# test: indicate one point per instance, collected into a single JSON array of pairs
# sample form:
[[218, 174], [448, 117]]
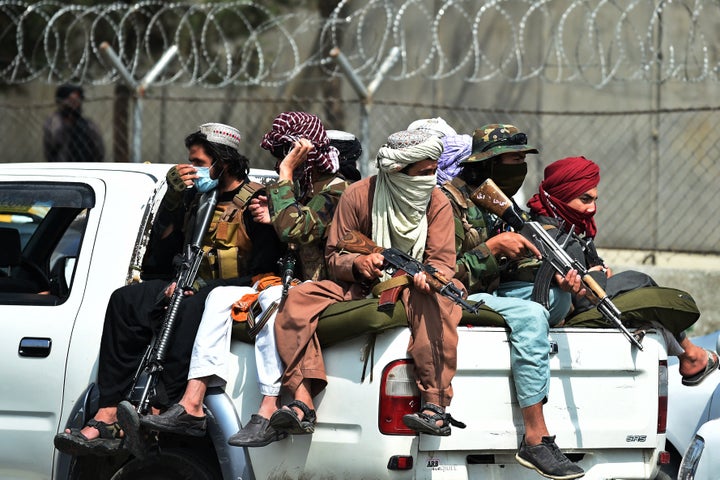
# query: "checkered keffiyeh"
[[289, 127]]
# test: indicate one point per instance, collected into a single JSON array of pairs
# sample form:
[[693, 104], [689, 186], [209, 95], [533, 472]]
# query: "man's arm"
[[349, 215], [53, 133], [298, 223], [439, 246]]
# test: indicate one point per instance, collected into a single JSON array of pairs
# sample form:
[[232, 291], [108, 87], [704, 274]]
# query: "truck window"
[[41, 229]]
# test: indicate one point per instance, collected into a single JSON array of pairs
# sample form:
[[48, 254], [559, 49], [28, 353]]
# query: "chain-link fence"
[[659, 169], [631, 85]]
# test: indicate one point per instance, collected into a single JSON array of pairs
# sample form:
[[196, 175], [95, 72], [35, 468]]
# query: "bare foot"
[[693, 361]]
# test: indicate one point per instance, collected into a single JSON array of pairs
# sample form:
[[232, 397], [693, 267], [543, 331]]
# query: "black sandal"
[[77, 444], [287, 421], [421, 422]]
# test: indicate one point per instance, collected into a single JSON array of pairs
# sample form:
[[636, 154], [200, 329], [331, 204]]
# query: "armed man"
[[299, 206], [498, 267], [400, 207], [236, 248]]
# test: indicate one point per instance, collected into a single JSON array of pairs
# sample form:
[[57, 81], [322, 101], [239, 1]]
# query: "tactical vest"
[[471, 231], [226, 243], [466, 234]]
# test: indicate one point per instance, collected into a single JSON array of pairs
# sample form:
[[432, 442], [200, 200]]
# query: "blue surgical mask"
[[204, 183]]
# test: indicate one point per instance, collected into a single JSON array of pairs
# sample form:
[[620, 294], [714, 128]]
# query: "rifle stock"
[[490, 197], [398, 261]]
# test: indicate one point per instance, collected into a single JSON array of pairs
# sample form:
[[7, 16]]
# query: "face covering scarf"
[[400, 203]]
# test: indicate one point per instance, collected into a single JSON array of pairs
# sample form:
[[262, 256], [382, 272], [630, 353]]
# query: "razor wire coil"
[[245, 43]]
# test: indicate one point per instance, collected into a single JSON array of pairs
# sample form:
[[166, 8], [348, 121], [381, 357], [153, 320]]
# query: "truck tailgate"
[[602, 391]]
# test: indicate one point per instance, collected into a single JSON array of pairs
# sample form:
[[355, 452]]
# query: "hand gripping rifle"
[[146, 378], [400, 262], [491, 198]]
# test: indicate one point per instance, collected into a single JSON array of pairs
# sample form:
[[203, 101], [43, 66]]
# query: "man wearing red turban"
[[568, 193]]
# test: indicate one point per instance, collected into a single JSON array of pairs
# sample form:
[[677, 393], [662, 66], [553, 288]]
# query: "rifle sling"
[[389, 290], [259, 322]]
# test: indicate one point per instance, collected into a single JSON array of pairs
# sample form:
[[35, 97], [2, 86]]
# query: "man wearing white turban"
[[400, 207]]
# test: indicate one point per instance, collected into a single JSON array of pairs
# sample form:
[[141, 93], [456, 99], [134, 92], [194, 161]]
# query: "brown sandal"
[[422, 422], [77, 444]]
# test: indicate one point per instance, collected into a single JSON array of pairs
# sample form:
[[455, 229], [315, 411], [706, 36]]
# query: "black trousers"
[[131, 318]]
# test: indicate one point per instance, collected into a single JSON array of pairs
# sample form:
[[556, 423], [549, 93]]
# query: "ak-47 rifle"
[[400, 262], [148, 373], [490, 197]]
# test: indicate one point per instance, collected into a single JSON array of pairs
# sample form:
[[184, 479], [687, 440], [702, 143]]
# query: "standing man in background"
[[67, 135]]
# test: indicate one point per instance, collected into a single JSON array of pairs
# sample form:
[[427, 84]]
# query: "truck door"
[[45, 232]]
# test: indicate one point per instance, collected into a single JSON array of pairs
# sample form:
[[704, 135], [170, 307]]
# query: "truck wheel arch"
[[170, 464]]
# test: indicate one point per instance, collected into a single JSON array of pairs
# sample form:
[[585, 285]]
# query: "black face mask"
[[509, 178], [475, 173]]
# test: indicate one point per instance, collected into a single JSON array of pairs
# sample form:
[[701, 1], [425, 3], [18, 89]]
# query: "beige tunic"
[[433, 319]]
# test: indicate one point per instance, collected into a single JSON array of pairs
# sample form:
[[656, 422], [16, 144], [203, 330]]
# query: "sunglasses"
[[516, 139]]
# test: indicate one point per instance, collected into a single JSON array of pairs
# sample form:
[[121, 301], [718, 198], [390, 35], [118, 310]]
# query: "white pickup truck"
[[79, 226]]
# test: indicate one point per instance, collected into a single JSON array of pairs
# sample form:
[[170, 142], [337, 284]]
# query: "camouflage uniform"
[[476, 267], [306, 224], [503, 285]]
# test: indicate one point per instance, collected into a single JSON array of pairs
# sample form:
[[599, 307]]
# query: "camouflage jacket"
[[476, 267], [304, 222]]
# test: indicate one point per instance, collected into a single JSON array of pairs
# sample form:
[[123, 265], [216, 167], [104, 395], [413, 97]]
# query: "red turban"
[[566, 180]]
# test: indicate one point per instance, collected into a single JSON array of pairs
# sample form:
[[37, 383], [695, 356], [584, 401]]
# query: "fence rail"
[[626, 83]]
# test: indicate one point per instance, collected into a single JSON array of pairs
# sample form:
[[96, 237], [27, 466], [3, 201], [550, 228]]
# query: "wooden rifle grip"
[[594, 286], [356, 242]]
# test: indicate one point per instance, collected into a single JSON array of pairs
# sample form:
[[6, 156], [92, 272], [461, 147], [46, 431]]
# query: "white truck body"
[[606, 400]]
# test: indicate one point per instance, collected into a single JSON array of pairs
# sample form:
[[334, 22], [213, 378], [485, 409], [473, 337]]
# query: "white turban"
[[437, 126]]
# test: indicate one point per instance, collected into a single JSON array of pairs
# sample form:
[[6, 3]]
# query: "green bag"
[[675, 309], [346, 320]]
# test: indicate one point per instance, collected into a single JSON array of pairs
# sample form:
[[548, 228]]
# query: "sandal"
[[77, 444], [287, 421], [129, 421], [421, 422], [712, 365]]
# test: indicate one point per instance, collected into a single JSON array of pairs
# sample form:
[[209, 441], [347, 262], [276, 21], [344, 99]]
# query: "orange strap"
[[239, 310]]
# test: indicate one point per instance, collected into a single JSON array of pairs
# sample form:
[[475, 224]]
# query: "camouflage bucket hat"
[[492, 140]]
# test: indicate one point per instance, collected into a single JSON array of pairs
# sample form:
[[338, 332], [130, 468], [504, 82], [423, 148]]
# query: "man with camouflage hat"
[[400, 207], [236, 249], [498, 267]]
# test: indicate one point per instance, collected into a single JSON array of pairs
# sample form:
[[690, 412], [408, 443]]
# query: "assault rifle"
[[146, 377], [491, 198], [398, 262], [287, 266]]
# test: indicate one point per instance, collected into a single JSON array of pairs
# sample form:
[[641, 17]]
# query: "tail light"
[[398, 396], [662, 396]]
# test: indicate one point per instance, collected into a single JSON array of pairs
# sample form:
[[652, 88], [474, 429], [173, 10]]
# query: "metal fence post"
[[139, 89], [365, 94]]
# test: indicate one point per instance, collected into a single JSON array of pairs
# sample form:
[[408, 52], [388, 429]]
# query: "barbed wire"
[[245, 43]]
